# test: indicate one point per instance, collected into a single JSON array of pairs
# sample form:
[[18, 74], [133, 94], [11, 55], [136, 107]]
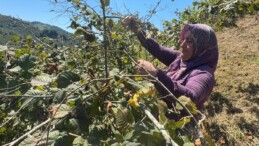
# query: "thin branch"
[[169, 140], [15, 113], [28, 96], [27, 134], [13, 86], [105, 39], [153, 11]]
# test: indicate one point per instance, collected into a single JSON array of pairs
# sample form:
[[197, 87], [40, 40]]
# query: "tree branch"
[[160, 127], [27, 134]]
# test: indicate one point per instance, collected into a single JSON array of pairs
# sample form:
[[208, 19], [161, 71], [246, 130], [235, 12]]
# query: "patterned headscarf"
[[205, 50], [205, 41]]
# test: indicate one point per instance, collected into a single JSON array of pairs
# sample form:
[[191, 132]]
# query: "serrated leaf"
[[26, 102], [162, 109], [79, 141], [177, 124], [74, 124], [41, 80], [67, 77], [152, 138], [35, 92], [54, 138], [63, 111], [59, 96], [27, 61], [188, 103], [124, 120]]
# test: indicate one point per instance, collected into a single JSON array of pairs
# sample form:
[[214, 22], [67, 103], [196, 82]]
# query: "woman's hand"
[[144, 67], [130, 23]]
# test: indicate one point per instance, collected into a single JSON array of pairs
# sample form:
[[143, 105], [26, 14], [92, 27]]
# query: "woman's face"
[[187, 46]]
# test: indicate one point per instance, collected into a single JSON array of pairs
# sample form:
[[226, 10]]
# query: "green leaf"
[[63, 111], [67, 77], [76, 1], [188, 144], [177, 124], [41, 80], [3, 82], [152, 138], [15, 38], [59, 96], [54, 138], [35, 92], [124, 120], [79, 141], [114, 72], [27, 61], [188, 103], [162, 109], [132, 85], [106, 2], [74, 124]]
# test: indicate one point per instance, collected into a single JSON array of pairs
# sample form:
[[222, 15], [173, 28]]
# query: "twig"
[[15, 114], [27, 134], [13, 86], [153, 11], [202, 119], [160, 127], [28, 96]]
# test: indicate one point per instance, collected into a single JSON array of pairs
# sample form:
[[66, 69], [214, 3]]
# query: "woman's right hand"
[[130, 23]]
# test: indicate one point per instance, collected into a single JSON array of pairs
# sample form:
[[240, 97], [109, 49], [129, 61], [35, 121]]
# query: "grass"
[[232, 112]]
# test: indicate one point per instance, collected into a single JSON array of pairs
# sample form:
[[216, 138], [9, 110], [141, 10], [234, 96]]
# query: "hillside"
[[232, 112], [10, 26]]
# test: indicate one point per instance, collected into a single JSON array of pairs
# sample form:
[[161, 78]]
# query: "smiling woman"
[[187, 46], [191, 71]]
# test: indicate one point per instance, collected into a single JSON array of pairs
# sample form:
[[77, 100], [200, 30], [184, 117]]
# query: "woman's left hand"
[[144, 67]]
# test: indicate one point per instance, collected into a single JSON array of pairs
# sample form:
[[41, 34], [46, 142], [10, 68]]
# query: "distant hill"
[[10, 26]]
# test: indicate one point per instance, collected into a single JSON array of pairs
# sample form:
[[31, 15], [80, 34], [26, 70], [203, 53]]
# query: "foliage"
[[216, 13], [89, 91], [10, 27]]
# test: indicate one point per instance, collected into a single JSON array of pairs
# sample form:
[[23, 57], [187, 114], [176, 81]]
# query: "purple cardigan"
[[196, 82]]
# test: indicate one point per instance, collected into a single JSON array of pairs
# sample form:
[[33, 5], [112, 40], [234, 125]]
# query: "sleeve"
[[198, 86], [163, 54]]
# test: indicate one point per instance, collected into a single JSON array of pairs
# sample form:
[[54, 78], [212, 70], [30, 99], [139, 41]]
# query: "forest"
[[90, 93]]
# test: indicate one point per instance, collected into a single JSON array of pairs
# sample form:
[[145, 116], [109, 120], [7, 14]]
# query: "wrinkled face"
[[187, 46]]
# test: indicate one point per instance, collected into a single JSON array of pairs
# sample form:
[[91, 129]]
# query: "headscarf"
[[205, 50]]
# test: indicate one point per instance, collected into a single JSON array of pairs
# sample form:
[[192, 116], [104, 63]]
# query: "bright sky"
[[40, 10]]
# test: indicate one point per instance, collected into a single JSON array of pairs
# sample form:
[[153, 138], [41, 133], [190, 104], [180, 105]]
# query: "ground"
[[232, 111]]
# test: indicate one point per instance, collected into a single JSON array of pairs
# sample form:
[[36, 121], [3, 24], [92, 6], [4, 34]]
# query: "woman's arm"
[[163, 54], [198, 87]]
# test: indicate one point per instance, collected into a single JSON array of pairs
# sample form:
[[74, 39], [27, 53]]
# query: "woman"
[[191, 71]]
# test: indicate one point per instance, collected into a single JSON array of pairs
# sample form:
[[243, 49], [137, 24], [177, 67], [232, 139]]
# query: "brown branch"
[[105, 39], [27, 134], [169, 140]]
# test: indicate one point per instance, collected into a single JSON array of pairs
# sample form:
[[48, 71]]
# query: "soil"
[[233, 111]]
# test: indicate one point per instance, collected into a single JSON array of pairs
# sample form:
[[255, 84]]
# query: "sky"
[[41, 10]]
